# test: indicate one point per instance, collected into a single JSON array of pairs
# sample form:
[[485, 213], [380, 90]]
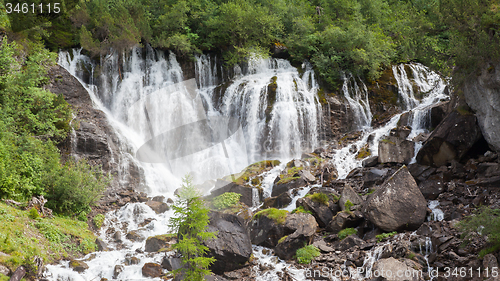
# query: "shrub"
[[190, 222], [99, 220], [346, 232], [33, 214], [226, 200], [76, 187], [279, 216], [485, 222], [306, 254]]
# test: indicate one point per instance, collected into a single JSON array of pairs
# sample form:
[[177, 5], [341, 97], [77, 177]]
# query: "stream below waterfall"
[[146, 98]]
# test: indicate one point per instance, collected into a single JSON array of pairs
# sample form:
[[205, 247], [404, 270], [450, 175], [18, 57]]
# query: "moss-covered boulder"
[[159, 243]]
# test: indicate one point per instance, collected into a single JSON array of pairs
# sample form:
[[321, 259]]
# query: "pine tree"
[[190, 222]]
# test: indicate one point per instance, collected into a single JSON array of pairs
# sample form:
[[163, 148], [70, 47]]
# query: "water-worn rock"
[[78, 266], [158, 207], [391, 269], [152, 270], [281, 186], [452, 139], [101, 245], [232, 246], [482, 93], [118, 269], [134, 236], [158, 242], [370, 161], [279, 201], [397, 204]]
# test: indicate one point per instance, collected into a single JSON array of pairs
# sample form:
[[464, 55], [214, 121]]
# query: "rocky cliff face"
[[482, 94], [93, 139]]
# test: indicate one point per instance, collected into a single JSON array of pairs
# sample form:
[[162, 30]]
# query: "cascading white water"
[[417, 93], [356, 94]]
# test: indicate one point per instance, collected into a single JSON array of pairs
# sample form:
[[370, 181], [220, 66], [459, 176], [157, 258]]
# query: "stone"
[[152, 270], [133, 235], [432, 187], [18, 274], [101, 245], [132, 260], [280, 188], [321, 212], [117, 270], [158, 242], [307, 176], [348, 242], [158, 207], [159, 198], [287, 248], [398, 204], [4, 270], [265, 231], [302, 223], [232, 246], [394, 149], [483, 96], [117, 236], [370, 161], [391, 267], [451, 140], [171, 264], [490, 261], [321, 244], [348, 194], [344, 220], [279, 201], [78, 266], [222, 186]]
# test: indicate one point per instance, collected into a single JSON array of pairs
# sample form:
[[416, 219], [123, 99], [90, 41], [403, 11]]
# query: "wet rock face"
[[398, 204], [395, 148], [483, 96], [94, 139], [265, 232], [152, 270], [451, 140], [232, 247]]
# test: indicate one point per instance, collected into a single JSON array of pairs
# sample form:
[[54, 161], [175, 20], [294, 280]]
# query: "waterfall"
[[356, 95]]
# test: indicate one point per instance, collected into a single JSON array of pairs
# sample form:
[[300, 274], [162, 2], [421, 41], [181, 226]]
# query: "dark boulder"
[[172, 264], [78, 266], [397, 204], [222, 186], [283, 185], [265, 231], [394, 149], [348, 242], [279, 201], [323, 213], [158, 207], [158, 242], [452, 139], [349, 195], [344, 220], [232, 247], [302, 228]]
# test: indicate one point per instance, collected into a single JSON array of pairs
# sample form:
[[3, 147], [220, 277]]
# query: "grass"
[[306, 254], [346, 232], [22, 238], [383, 236], [278, 216], [226, 200], [319, 197], [300, 210]]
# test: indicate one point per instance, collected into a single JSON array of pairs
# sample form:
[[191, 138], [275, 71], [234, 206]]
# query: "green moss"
[[387, 141], [364, 152], [411, 255], [383, 236], [300, 210], [98, 220], [282, 239], [335, 197], [250, 174], [33, 214], [278, 216], [464, 110], [291, 172], [287, 180], [306, 254], [348, 204], [226, 200], [320, 198], [346, 232]]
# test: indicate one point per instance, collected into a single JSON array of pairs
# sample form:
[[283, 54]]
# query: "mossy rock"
[[159, 243], [248, 177], [278, 216]]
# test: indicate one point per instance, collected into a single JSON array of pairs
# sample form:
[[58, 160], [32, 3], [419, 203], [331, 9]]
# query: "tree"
[[190, 222]]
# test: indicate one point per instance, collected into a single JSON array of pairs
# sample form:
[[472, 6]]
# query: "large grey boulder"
[[348, 194], [394, 149], [323, 213], [302, 228], [391, 269], [398, 204], [451, 140], [232, 246], [265, 231], [482, 94]]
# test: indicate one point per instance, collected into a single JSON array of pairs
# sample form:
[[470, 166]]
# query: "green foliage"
[[348, 204], [75, 187], [279, 216], [226, 200], [485, 222], [346, 232], [301, 209], [33, 214], [306, 254], [189, 222], [99, 220], [383, 236]]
